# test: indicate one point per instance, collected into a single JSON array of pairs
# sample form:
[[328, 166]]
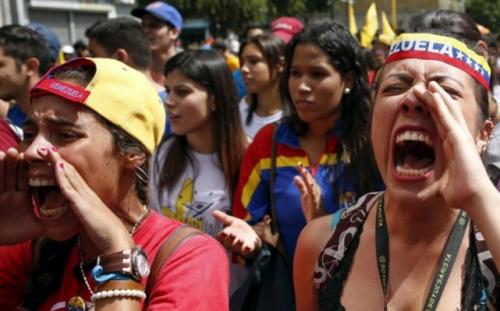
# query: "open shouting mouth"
[[414, 154], [48, 198]]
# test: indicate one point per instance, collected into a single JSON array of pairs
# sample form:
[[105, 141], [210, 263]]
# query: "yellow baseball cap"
[[117, 92]]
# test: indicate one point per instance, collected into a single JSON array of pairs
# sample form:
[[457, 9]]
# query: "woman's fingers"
[[11, 164], [61, 173], [301, 185], [444, 111], [22, 175], [453, 108], [224, 218], [3, 165], [226, 239], [310, 193], [238, 235], [244, 243], [307, 180], [83, 201], [73, 179], [439, 113], [237, 245]]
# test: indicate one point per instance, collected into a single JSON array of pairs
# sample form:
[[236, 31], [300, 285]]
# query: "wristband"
[[100, 277]]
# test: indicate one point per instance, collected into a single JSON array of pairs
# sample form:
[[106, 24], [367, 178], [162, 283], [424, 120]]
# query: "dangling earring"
[[347, 90], [212, 100], [483, 146]]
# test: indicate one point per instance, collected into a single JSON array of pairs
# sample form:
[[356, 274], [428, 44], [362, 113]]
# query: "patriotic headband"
[[441, 48]]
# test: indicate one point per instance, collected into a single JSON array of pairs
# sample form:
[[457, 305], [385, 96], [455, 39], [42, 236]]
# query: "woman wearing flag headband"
[[421, 244]]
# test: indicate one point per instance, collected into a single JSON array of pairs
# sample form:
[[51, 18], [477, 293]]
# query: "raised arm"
[[465, 184]]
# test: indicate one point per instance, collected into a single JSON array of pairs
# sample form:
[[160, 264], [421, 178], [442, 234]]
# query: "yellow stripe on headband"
[[445, 49]]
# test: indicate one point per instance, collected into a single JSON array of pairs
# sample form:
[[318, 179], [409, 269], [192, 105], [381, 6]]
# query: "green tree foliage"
[[223, 14], [486, 12], [231, 14], [288, 7], [236, 14]]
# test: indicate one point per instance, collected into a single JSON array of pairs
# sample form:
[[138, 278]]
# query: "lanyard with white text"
[[445, 262]]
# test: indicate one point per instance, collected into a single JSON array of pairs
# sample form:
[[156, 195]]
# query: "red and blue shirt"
[[252, 199]]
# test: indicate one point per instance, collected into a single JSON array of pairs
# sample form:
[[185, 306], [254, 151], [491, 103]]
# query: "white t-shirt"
[[192, 199], [496, 93], [257, 121]]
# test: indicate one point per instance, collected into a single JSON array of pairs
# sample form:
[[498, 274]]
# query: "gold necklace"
[[143, 214]]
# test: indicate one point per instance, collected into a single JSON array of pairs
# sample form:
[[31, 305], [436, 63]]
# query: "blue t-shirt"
[[16, 116]]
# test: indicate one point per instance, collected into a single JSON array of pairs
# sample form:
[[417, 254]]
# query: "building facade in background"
[[67, 18]]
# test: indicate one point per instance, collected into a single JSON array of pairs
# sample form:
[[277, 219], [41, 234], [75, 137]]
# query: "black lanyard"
[[445, 262]]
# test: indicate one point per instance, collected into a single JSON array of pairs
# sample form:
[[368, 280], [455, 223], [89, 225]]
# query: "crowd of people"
[[137, 176]]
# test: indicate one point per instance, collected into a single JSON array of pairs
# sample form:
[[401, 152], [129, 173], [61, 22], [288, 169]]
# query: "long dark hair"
[[454, 23], [345, 55], [50, 257], [272, 49], [209, 69]]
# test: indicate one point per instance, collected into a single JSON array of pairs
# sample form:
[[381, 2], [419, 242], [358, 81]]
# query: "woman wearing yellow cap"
[[74, 199]]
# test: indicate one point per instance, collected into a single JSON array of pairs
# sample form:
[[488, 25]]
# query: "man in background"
[[162, 24], [123, 39], [25, 56]]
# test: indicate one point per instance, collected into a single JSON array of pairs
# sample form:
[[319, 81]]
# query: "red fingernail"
[[61, 165], [53, 148]]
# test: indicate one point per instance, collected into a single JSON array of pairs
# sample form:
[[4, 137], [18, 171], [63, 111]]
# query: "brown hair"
[[273, 50], [209, 69]]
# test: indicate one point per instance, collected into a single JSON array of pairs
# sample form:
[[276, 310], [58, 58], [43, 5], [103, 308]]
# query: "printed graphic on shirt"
[[198, 192], [195, 207]]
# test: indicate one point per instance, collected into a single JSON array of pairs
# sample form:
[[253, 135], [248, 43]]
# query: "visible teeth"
[[411, 172], [414, 136], [53, 212], [41, 182]]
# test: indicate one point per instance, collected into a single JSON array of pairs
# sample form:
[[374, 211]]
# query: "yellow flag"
[[371, 26], [60, 57], [353, 27], [387, 34]]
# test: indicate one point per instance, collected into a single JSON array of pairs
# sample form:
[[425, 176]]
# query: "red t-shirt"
[[7, 137], [195, 276]]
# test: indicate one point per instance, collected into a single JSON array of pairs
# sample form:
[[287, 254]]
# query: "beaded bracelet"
[[118, 293]]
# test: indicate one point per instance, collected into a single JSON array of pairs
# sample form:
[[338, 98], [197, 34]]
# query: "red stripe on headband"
[[440, 57], [68, 91]]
